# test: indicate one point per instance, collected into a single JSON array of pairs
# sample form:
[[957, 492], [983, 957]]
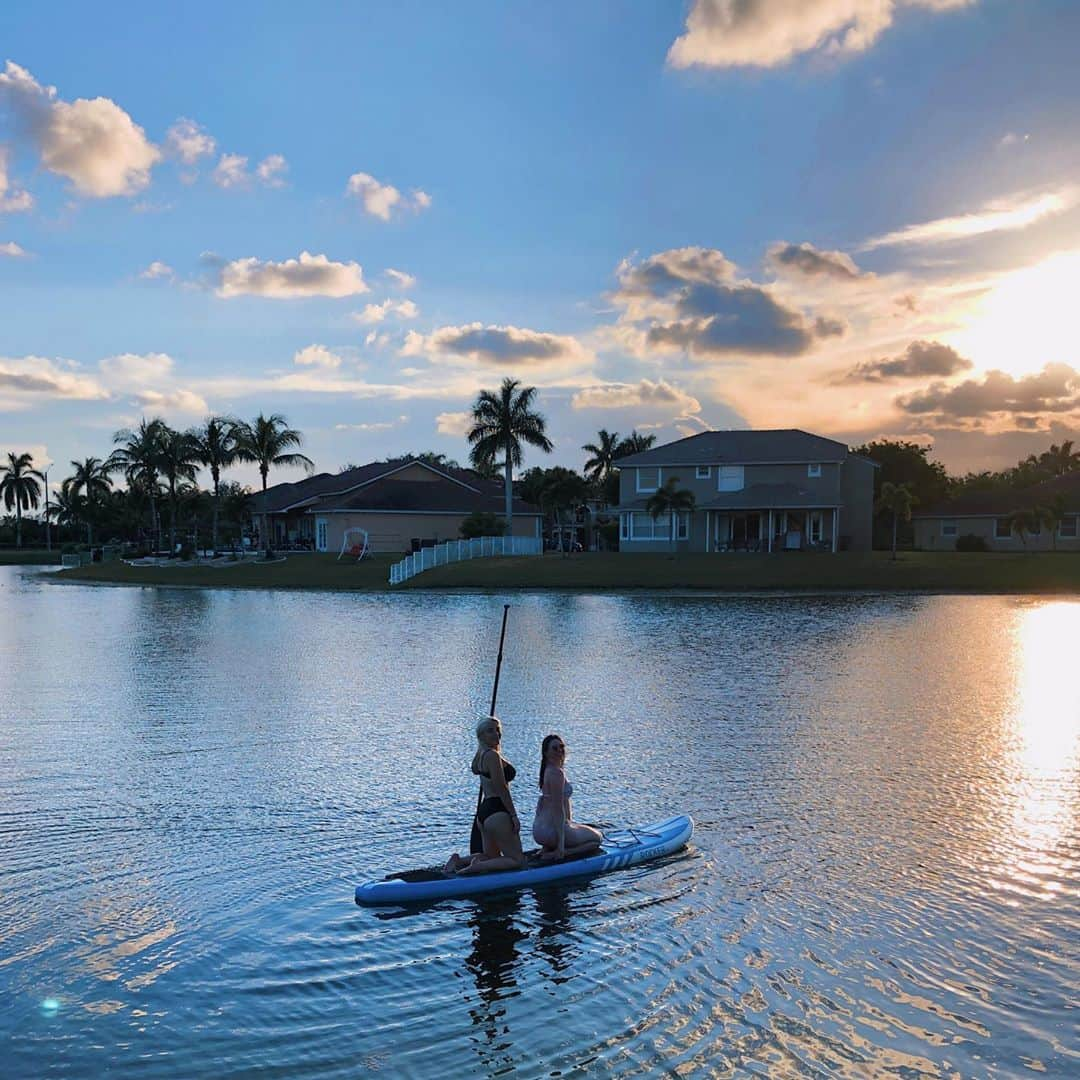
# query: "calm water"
[[884, 878]]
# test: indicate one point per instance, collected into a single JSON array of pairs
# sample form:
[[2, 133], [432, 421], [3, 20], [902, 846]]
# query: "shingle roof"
[[741, 447], [407, 495], [998, 503]]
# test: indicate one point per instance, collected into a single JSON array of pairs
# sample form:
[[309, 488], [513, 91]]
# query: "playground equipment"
[[355, 543]]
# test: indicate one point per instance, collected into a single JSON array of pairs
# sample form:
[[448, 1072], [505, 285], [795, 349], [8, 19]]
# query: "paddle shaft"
[[476, 837]]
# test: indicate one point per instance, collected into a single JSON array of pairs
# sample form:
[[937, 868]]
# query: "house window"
[[948, 528], [624, 526], [703, 472], [320, 534], [648, 479], [1067, 527], [729, 478], [813, 470], [643, 527], [816, 531], [1002, 529]]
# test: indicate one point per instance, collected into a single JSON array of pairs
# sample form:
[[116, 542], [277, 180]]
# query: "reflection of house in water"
[[785, 490]]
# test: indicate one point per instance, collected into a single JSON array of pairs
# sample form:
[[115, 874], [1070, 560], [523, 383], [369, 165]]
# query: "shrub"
[[481, 523], [971, 542]]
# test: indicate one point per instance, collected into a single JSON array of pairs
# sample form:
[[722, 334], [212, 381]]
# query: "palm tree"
[[602, 455], [1054, 514], [178, 461], [501, 423], [266, 441], [20, 488], [91, 480], [673, 500], [138, 456], [217, 450], [898, 500], [67, 507], [1060, 460], [1024, 523], [635, 444], [563, 490]]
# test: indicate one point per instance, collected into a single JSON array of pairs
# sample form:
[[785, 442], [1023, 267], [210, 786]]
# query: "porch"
[[771, 529]]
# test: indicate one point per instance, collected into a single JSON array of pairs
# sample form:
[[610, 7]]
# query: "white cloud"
[[643, 393], [400, 278], [383, 200], [231, 171], [12, 250], [1002, 215], [188, 142], [1012, 138], [309, 275], [184, 402], [157, 269], [270, 170], [502, 346], [378, 425], [93, 143], [140, 369], [768, 33], [12, 200], [453, 423], [30, 378], [318, 356], [376, 313]]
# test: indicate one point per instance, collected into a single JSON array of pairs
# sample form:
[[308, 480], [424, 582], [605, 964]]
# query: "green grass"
[[917, 571], [29, 557]]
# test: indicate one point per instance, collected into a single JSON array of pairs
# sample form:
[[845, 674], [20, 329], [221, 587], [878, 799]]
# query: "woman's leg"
[[581, 837], [504, 845]]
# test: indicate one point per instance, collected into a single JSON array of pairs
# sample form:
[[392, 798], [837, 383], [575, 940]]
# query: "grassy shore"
[[914, 571], [29, 557]]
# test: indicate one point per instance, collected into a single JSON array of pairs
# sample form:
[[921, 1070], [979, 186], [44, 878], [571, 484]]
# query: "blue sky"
[[853, 216]]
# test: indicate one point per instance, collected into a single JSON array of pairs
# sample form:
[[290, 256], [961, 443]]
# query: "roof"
[[1001, 501], [441, 495], [757, 497], [741, 448]]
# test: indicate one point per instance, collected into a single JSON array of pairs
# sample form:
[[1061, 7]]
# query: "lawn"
[[29, 557], [919, 571]]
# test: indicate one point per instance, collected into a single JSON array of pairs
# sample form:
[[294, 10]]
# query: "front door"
[[320, 534]]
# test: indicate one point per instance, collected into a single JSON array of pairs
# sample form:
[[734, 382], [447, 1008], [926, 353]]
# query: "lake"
[[883, 881]]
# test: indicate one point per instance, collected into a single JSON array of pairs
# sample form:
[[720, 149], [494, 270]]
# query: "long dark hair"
[[543, 757]]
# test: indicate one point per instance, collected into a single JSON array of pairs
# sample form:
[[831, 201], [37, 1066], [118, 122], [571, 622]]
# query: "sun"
[[1027, 320]]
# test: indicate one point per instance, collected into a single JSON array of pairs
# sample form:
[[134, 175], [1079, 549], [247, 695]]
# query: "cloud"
[[188, 142], [769, 33], [36, 375], [137, 368], [919, 359], [642, 393], [376, 313], [318, 356], [231, 171], [1055, 389], [1016, 212], [270, 170], [453, 423], [310, 275], [808, 260], [12, 200], [501, 346], [92, 143], [172, 401], [157, 269], [382, 200], [12, 250], [378, 425], [1012, 138], [400, 279]]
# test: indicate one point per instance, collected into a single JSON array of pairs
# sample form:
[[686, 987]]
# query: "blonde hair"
[[483, 723]]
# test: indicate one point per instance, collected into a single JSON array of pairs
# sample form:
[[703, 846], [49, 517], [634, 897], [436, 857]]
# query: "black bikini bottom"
[[489, 806]]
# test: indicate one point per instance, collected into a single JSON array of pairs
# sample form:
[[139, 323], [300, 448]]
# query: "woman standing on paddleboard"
[[498, 820], [553, 827]]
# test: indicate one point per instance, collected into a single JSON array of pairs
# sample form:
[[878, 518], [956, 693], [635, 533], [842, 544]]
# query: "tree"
[[20, 487], [91, 481], [428, 457], [502, 421], [635, 444], [1024, 523], [896, 499], [138, 456], [481, 523], [68, 508], [602, 453], [1054, 514], [673, 500], [178, 461], [266, 441], [216, 442], [563, 490], [1059, 460], [907, 463]]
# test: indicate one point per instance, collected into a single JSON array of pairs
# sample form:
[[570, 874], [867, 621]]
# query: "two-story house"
[[778, 490]]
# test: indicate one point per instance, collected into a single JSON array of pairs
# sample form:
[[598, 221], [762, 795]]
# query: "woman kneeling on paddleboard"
[[499, 824], [553, 827]]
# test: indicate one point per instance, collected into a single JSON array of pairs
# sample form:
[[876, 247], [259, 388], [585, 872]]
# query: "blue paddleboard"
[[620, 849]]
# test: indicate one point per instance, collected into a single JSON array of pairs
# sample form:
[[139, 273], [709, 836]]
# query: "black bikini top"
[[508, 770]]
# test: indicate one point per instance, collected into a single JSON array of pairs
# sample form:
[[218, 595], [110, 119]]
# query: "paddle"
[[476, 840]]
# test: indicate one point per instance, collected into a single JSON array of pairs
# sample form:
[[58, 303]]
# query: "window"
[[320, 534], [813, 470], [703, 472], [729, 478], [642, 526], [1067, 527], [816, 532], [648, 479], [1002, 529], [624, 526], [948, 528]]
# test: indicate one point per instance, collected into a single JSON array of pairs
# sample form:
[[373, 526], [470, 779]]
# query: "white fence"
[[480, 547]]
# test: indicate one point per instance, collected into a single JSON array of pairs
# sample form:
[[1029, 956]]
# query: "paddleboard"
[[620, 849]]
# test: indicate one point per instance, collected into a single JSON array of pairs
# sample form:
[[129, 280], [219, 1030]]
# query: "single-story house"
[[783, 490], [401, 505], [986, 514]]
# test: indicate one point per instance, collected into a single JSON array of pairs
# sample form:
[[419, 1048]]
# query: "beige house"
[[401, 505], [986, 514], [783, 490]]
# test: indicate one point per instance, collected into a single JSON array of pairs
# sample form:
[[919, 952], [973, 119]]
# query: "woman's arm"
[[501, 788]]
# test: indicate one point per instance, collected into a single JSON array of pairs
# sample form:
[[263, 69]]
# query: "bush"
[[971, 542], [609, 535], [481, 523]]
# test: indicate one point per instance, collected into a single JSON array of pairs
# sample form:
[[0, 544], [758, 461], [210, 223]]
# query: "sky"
[[856, 217]]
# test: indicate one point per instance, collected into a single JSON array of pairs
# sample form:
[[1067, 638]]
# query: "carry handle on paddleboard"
[[476, 839]]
